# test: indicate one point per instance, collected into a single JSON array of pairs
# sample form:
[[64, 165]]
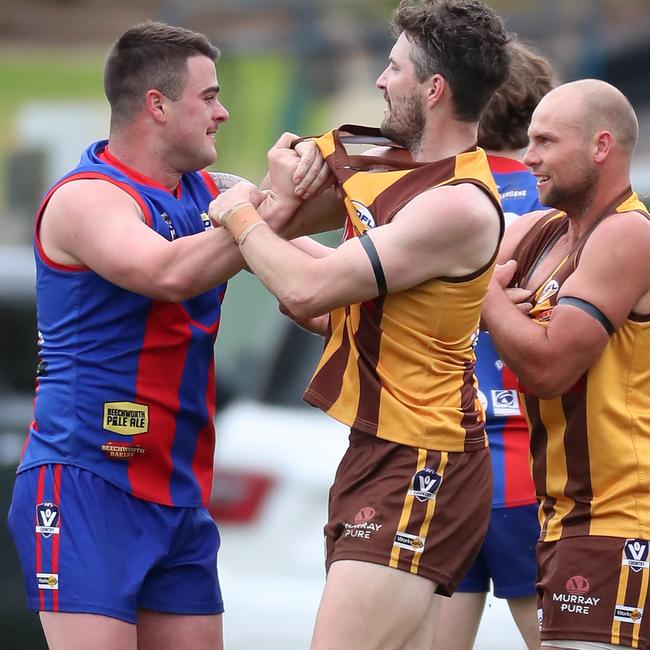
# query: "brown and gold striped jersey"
[[591, 446], [401, 366]]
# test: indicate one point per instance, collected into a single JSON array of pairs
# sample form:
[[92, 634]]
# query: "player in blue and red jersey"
[[507, 557], [108, 512]]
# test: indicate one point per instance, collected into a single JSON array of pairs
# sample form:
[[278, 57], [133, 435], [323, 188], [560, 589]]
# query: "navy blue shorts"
[[87, 546], [507, 556]]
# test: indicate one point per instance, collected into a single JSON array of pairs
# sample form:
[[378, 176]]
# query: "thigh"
[[459, 618], [67, 631], [595, 589], [509, 551], [160, 631], [369, 606], [420, 511], [185, 581]]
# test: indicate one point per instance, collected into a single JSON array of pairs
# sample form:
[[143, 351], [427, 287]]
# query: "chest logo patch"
[[363, 214], [126, 418], [550, 289]]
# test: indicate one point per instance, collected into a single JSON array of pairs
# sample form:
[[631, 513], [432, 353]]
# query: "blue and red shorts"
[[507, 556], [87, 546]]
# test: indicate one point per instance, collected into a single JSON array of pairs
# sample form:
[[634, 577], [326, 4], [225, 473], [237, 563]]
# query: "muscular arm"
[[613, 275], [448, 231], [96, 224]]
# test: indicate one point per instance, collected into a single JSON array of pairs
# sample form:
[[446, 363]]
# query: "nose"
[[221, 113], [381, 81], [530, 157]]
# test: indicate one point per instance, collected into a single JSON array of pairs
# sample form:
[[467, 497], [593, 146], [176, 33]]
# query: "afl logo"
[[549, 290], [364, 215]]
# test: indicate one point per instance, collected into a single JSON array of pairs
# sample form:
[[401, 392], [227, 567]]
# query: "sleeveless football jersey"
[[401, 366], [125, 384], [506, 427], [591, 446]]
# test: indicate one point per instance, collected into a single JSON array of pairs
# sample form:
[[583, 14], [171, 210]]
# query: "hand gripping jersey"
[[401, 366], [591, 446], [505, 425], [125, 386]]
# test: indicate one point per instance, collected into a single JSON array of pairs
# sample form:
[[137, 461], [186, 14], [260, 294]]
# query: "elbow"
[[302, 304], [171, 287], [549, 385]]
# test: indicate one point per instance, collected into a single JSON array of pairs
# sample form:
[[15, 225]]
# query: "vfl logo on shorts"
[[48, 580], [409, 542], [425, 484], [628, 614], [126, 418], [47, 519], [635, 554], [505, 403]]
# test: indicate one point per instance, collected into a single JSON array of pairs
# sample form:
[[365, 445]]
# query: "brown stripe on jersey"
[[576, 449], [327, 384], [538, 444], [534, 243], [399, 193], [368, 338], [471, 421]]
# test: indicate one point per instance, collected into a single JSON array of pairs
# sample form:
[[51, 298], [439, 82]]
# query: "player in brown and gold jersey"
[[401, 299], [582, 356]]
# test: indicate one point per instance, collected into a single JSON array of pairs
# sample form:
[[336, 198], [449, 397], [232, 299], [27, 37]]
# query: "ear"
[[436, 87], [156, 104], [604, 142]]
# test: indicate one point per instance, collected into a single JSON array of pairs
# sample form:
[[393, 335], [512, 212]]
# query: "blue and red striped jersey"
[[506, 427], [125, 386]]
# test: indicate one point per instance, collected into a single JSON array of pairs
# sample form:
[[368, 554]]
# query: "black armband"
[[373, 256], [590, 309]]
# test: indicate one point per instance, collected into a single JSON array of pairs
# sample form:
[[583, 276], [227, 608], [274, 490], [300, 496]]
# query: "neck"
[[515, 154], [144, 154], [602, 196], [444, 140]]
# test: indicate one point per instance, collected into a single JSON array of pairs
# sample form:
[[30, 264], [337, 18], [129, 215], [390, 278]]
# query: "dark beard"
[[407, 128]]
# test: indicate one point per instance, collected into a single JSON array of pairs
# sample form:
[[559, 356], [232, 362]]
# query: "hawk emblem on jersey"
[[635, 554], [505, 403], [425, 484], [47, 519], [551, 288]]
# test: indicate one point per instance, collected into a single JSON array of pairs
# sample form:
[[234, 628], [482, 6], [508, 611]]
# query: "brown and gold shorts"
[[417, 510], [594, 588]]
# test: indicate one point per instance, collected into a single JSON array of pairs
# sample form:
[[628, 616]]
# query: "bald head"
[[592, 106]]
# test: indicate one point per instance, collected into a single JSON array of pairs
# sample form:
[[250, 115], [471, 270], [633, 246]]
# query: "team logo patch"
[[409, 542], [635, 554], [120, 450], [628, 614], [540, 618], [425, 484], [207, 222], [48, 580], [365, 514], [364, 215], [172, 231], [47, 519], [505, 403], [126, 418], [577, 585], [482, 399], [550, 289]]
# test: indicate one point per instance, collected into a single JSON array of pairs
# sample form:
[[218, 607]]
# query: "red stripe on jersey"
[[503, 165], [40, 491], [204, 453], [209, 183], [160, 370], [55, 538], [518, 489]]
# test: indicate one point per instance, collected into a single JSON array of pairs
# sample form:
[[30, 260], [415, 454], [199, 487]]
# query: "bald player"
[[582, 357]]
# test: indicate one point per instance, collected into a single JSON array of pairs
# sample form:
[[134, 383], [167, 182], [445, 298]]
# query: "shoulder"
[[622, 236]]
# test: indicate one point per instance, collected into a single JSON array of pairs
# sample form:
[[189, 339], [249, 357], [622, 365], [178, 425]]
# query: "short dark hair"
[[504, 122], [464, 41], [150, 55]]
